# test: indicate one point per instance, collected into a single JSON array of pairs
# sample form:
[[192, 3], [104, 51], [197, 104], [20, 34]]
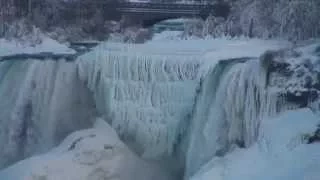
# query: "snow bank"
[[47, 45], [280, 153], [90, 154]]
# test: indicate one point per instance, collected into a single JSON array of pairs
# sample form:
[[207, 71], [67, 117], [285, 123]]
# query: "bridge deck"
[[217, 9], [165, 5], [149, 11]]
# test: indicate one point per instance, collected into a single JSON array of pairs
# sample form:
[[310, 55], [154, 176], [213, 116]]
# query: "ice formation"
[[233, 100], [191, 103], [146, 98], [147, 92], [42, 102], [234, 108]]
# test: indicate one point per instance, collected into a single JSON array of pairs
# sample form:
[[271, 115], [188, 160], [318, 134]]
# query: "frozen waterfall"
[[179, 103], [232, 101], [146, 98], [41, 103]]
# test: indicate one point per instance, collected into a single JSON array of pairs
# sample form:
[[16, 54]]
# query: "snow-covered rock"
[[91, 154], [295, 73], [282, 152], [167, 36]]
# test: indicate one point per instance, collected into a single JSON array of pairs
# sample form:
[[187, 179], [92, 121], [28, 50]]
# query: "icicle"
[[146, 98]]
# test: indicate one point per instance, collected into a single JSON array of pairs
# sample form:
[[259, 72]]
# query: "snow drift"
[[94, 154], [281, 152]]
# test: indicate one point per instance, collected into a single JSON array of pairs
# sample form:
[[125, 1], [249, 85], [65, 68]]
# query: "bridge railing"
[[165, 5]]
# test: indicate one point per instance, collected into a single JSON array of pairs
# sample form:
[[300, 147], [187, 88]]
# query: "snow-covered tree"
[[292, 19]]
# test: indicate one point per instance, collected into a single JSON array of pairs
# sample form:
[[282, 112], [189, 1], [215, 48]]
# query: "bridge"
[[149, 13], [168, 8]]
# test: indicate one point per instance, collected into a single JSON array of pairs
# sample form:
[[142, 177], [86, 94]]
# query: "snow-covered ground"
[[281, 153], [47, 45], [91, 154], [167, 36]]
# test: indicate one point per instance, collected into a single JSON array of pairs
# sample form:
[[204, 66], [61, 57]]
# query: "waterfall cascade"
[[146, 98], [42, 102], [232, 101], [160, 104]]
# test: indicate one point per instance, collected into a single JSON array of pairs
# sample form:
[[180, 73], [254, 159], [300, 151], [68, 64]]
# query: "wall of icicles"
[[161, 106]]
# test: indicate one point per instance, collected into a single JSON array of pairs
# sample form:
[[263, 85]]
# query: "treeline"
[[287, 19], [76, 19], [45, 13], [290, 19]]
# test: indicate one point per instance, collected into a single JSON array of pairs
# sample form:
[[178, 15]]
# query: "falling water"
[[233, 100], [42, 102], [152, 100]]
